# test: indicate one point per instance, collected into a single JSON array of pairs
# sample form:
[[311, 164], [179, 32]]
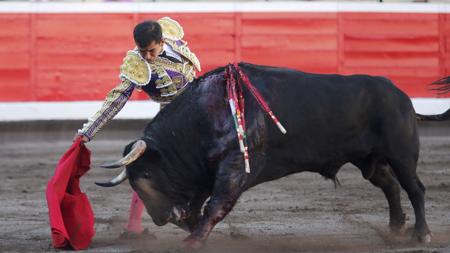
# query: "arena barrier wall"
[[58, 60]]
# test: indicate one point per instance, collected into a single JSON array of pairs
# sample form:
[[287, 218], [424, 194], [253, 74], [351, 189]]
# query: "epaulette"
[[173, 34], [171, 29], [185, 52], [135, 69]]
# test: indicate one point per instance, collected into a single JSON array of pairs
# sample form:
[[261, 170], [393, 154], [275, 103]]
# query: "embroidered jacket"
[[163, 79]]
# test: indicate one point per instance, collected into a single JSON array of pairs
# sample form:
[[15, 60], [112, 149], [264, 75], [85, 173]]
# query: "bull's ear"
[[128, 148], [153, 154], [153, 151]]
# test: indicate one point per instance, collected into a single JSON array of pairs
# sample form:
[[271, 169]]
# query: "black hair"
[[147, 32]]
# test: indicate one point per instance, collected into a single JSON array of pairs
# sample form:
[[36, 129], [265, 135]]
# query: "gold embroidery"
[[178, 81], [171, 29], [185, 52], [189, 73], [135, 69], [169, 91], [171, 86], [167, 64]]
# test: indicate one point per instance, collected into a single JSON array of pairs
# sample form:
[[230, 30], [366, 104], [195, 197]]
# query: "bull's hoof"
[[423, 237], [426, 238], [192, 244]]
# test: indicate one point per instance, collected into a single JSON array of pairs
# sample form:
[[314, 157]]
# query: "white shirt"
[[170, 52]]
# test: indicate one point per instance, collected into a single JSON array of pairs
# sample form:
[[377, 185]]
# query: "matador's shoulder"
[[135, 69], [171, 29], [173, 34]]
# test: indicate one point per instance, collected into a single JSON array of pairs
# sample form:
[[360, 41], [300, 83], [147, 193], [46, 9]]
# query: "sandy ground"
[[299, 213]]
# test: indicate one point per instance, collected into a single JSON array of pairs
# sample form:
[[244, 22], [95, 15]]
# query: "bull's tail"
[[441, 86]]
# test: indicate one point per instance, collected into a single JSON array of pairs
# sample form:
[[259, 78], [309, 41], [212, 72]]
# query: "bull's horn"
[[115, 181], [136, 151]]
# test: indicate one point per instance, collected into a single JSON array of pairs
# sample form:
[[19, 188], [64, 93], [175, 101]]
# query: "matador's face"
[[152, 51]]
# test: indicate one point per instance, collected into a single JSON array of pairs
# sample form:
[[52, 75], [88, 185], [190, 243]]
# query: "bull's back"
[[329, 119]]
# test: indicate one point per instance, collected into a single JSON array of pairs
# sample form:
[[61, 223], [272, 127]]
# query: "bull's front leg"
[[228, 187]]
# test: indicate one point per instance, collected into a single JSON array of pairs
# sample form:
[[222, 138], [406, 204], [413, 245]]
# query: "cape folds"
[[70, 213]]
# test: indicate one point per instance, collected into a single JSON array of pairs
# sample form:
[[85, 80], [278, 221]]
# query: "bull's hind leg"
[[228, 187], [406, 174], [380, 175]]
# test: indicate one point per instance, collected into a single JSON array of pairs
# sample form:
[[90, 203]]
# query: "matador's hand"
[[84, 139]]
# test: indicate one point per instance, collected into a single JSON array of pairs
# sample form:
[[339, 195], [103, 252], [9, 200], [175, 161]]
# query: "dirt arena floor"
[[299, 213]]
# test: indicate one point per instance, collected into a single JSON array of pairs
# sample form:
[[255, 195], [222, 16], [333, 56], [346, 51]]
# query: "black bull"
[[190, 151]]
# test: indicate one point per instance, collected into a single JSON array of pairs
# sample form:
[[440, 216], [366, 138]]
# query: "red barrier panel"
[[76, 57], [15, 57], [304, 41], [403, 47]]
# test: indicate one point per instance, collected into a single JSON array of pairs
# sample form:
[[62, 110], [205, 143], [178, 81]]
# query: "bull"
[[189, 152]]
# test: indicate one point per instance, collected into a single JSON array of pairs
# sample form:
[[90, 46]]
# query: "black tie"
[[172, 59]]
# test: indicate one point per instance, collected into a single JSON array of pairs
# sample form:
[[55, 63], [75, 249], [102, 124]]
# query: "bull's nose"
[[163, 220], [160, 222]]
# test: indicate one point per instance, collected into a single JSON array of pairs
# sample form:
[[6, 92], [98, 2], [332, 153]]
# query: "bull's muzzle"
[[136, 151]]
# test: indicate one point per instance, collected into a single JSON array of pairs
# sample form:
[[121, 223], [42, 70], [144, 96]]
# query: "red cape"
[[71, 216]]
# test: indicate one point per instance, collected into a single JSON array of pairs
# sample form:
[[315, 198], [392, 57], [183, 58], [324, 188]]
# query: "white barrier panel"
[[202, 7], [25, 111]]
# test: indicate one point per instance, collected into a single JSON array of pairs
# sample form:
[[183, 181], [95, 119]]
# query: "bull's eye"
[[147, 175]]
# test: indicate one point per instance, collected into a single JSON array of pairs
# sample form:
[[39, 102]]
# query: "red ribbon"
[[236, 100]]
